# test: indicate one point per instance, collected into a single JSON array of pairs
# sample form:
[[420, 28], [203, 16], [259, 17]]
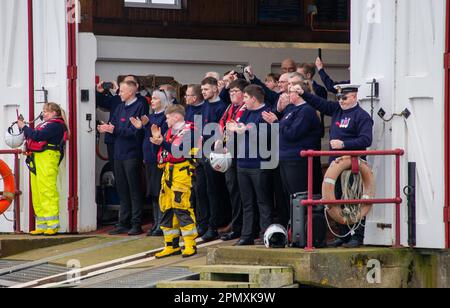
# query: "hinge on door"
[[447, 61], [72, 72]]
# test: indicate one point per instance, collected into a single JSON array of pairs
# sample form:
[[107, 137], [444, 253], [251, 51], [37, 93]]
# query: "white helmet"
[[221, 162], [276, 236], [14, 138]]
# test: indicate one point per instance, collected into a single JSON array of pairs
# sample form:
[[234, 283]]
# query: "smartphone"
[[320, 53]]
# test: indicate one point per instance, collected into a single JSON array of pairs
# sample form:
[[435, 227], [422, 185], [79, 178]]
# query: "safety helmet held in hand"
[[14, 137], [276, 236], [221, 162]]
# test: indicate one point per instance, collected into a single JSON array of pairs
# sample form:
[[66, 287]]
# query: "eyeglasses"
[[343, 98]]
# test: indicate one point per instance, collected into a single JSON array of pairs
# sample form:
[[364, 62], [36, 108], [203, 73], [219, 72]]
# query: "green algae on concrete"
[[347, 268], [18, 244]]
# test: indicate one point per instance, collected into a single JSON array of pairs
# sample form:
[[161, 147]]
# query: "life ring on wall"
[[9, 193], [328, 189]]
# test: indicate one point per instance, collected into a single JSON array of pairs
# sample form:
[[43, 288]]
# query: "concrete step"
[[198, 284], [348, 268], [259, 276]]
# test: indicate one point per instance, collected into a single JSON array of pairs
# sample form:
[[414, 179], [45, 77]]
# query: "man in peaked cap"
[[351, 130]]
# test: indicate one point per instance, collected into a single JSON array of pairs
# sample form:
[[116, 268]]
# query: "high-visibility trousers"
[[178, 217], [44, 190]]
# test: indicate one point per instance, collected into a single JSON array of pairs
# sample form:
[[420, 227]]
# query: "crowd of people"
[[262, 126]]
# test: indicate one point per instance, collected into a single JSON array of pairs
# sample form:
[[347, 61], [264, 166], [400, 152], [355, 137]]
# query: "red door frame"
[[72, 76], [447, 127]]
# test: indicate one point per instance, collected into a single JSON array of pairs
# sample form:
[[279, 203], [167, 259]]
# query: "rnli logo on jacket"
[[345, 123]]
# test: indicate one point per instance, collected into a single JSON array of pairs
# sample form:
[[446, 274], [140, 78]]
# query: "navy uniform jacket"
[[192, 111], [151, 150], [329, 83], [354, 127], [254, 121], [300, 129], [129, 140], [111, 103], [212, 113], [271, 98]]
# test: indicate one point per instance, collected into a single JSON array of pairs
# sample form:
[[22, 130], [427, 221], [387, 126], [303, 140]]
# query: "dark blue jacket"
[[354, 127], [300, 129], [225, 96], [110, 103], [271, 98], [151, 150], [254, 121], [129, 140], [212, 113], [192, 111], [329, 83], [52, 133]]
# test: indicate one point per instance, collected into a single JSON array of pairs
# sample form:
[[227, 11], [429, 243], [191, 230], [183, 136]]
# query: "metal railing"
[[18, 193], [310, 203]]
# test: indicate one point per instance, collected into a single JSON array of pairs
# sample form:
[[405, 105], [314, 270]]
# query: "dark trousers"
[[128, 183], [257, 195], [294, 175], [231, 177], [111, 151], [282, 201], [219, 204], [201, 197]]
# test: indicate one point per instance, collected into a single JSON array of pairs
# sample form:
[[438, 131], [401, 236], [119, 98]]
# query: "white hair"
[[164, 98]]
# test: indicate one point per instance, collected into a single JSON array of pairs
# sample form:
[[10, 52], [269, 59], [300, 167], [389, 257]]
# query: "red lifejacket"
[[237, 111], [165, 156], [38, 147]]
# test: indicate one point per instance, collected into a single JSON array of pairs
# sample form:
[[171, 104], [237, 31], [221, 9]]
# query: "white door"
[[50, 53], [401, 44], [13, 84]]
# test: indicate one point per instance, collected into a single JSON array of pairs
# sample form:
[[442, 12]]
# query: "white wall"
[[188, 60], [87, 55], [401, 44]]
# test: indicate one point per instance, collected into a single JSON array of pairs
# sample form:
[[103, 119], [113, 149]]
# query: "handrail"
[[310, 203], [18, 193]]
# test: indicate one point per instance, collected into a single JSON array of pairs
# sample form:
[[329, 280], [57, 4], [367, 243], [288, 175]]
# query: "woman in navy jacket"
[[153, 174]]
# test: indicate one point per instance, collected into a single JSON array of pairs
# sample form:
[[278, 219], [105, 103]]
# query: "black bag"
[[298, 226]]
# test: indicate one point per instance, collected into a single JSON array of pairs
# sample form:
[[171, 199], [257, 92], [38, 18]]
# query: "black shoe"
[[135, 231], [119, 231], [336, 243], [354, 243], [259, 242], [157, 233], [245, 243], [210, 236], [201, 231], [230, 236]]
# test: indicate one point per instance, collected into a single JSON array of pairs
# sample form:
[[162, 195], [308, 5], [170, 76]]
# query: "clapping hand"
[[283, 102], [137, 123], [269, 117], [106, 128], [145, 120], [157, 137]]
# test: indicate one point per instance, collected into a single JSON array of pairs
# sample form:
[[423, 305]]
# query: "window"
[[156, 4]]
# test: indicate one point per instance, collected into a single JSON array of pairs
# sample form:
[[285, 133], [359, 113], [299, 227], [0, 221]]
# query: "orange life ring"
[[337, 167], [9, 193]]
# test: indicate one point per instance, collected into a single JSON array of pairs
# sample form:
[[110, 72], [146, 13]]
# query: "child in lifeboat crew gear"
[[46, 146], [178, 217]]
